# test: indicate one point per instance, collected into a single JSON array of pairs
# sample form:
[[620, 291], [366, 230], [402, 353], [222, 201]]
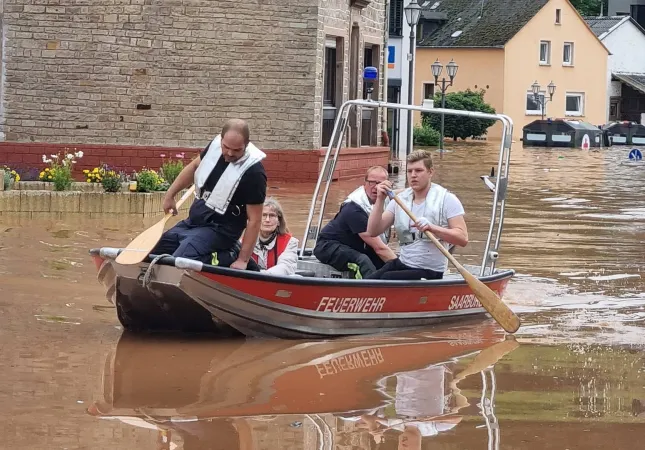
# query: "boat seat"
[[320, 270], [306, 273]]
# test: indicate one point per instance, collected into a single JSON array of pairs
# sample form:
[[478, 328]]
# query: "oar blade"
[[492, 303], [142, 245]]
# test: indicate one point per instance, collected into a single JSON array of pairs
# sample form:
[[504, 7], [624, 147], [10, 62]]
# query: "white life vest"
[[359, 197], [433, 211], [222, 193]]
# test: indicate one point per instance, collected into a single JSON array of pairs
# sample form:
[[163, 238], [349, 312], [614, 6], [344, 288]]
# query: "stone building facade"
[[128, 80]]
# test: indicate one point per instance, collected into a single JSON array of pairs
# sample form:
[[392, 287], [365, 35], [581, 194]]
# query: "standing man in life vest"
[[438, 211], [230, 189], [344, 242]]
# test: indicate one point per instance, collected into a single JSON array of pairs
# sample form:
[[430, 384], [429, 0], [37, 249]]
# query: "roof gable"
[[473, 23], [602, 26]]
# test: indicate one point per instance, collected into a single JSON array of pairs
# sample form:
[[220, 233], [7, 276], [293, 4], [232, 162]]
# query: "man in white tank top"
[[438, 211]]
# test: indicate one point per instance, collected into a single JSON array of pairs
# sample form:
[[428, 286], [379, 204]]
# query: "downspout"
[[385, 139]]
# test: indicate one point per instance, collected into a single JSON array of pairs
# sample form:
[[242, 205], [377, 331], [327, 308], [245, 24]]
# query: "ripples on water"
[[574, 231]]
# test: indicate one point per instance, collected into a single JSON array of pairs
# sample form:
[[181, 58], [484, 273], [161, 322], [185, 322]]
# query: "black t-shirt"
[[251, 190], [345, 227]]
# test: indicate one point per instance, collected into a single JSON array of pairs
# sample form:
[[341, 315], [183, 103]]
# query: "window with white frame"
[[575, 103], [428, 91], [534, 108], [567, 54], [545, 52]]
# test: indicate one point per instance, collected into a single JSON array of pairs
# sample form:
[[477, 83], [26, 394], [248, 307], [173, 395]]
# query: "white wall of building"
[[401, 70], [626, 42]]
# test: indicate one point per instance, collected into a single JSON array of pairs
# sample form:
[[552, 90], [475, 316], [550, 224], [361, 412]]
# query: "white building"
[[398, 67], [625, 39]]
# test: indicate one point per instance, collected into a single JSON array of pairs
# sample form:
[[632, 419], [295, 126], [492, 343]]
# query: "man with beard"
[[230, 189]]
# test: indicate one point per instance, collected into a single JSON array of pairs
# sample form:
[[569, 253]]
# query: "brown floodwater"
[[573, 378]]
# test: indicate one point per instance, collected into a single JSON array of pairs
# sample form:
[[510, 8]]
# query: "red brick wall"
[[281, 165]]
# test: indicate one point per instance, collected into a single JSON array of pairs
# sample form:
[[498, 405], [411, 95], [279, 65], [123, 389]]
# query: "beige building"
[[504, 47], [128, 81]]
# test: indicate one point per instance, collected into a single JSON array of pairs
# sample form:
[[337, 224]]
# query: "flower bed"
[[106, 190], [28, 198]]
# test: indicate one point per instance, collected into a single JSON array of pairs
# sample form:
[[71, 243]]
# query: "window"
[[567, 54], [558, 16], [575, 104], [396, 18], [332, 85], [428, 91], [545, 52], [329, 90], [534, 108]]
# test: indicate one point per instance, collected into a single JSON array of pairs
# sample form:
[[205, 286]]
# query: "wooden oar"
[[489, 299], [141, 246]]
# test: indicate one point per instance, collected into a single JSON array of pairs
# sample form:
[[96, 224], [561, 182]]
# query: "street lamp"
[[541, 100], [412, 14], [451, 69]]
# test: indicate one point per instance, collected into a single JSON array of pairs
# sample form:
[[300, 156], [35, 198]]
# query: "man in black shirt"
[[230, 189], [344, 243]]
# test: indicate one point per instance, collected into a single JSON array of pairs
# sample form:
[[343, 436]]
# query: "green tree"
[[459, 127], [590, 7]]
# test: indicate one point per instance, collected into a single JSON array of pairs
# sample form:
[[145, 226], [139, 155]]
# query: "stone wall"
[[336, 18], [147, 72]]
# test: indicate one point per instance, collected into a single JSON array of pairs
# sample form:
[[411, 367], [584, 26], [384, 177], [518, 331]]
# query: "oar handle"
[[184, 197], [181, 201]]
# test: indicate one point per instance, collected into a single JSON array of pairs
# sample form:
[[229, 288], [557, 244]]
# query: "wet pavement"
[[574, 232]]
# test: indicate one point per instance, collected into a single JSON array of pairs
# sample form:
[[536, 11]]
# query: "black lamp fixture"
[[412, 13], [540, 99]]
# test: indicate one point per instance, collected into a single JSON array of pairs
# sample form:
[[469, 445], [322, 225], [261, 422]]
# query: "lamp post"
[[451, 69], [412, 14], [541, 100]]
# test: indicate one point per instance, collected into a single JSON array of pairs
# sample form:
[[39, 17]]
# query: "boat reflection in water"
[[393, 391]]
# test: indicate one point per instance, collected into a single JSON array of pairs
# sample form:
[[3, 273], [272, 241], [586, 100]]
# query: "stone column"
[[1, 180]]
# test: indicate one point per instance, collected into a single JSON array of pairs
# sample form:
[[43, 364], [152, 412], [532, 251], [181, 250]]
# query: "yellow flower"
[[47, 169], [96, 169], [50, 177], [17, 178], [89, 181], [86, 171]]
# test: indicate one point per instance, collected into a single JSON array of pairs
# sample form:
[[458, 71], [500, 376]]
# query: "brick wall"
[[281, 165], [80, 72]]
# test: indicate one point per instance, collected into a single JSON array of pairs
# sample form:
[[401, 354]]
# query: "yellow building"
[[504, 47]]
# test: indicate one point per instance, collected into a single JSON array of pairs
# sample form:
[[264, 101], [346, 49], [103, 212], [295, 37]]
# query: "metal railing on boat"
[[493, 240]]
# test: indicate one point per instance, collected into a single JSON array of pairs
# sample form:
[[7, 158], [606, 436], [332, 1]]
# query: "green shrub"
[[426, 136]]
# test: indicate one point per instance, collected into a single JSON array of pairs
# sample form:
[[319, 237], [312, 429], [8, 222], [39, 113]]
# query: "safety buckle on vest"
[[205, 195]]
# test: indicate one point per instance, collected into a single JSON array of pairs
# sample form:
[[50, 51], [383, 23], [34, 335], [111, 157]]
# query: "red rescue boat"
[[176, 294]]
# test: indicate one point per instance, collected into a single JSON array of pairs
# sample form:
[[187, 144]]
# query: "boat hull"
[[303, 308], [162, 307], [177, 296]]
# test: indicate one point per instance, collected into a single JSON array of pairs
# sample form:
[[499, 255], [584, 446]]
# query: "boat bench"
[[311, 267]]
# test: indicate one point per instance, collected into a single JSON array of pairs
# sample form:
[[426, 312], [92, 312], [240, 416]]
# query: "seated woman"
[[276, 251]]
